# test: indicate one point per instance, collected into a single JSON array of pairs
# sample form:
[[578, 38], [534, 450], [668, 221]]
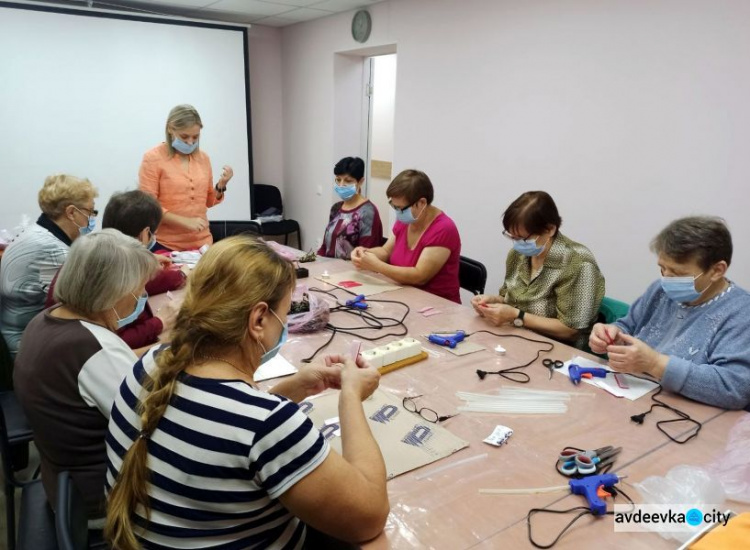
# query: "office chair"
[[472, 275], [36, 526], [15, 435], [268, 203]]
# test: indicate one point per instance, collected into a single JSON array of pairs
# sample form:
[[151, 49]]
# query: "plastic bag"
[[732, 468], [313, 320], [683, 484]]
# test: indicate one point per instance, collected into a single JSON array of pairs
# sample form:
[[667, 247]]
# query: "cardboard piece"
[[359, 282], [406, 440]]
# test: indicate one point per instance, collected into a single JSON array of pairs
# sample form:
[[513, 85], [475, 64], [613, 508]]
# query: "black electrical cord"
[[371, 321], [584, 511], [683, 417], [513, 373]]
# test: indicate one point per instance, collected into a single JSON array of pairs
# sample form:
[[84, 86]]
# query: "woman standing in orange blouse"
[[179, 175]]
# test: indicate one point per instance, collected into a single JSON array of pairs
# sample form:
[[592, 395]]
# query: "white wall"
[[266, 88], [629, 113]]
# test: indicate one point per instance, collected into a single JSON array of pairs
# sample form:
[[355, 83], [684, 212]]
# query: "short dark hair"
[[705, 239], [534, 211], [412, 185], [352, 166], [131, 211]]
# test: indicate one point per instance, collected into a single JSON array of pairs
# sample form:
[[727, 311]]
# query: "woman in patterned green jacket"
[[553, 285]]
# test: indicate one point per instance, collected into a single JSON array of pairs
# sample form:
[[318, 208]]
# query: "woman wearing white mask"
[[178, 173], [354, 220], [553, 284], [72, 362], [425, 246], [31, 261], [690, 330]]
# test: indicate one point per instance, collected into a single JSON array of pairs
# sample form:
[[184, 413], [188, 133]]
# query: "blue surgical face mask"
[[528, 247], [405, 216], [152, 241], [346, 192], [86, 229], [140, 305], [271, 353], [183, 147], [681, 289]]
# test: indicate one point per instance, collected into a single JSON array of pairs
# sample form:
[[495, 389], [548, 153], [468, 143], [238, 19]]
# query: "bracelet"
[[220, 190]]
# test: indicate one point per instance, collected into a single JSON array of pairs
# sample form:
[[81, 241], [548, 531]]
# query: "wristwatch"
[[518, 321]]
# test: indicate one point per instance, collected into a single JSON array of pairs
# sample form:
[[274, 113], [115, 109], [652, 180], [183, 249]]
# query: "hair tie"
[[142, 434]]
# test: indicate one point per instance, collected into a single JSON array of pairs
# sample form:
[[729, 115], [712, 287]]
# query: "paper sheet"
[[275, 368], [359, 283], [638, 387]]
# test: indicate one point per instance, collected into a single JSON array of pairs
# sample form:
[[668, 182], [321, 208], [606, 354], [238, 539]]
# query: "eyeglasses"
[[513, 237], [91, 211], [399, 208], [428, 414]]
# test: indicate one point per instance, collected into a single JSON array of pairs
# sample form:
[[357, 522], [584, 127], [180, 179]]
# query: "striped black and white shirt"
[[219, 459]]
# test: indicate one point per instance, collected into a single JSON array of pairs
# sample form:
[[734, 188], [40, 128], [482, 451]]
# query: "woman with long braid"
[[200, 457]]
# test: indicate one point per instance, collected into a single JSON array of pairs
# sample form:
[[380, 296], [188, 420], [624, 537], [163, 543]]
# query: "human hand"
[[315, 378], [604, 335], [226, 174], [498, 314], [483, 299], [369, 261], [356, 256], [356, 376], [164, 261], [167, 314], [636, 356], [196, 224]]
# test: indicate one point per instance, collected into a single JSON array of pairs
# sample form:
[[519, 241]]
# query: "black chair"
[[267, 202], [36, 526], [222, 229], [71, 520], [15, 436], [6, 366], [472, 275]]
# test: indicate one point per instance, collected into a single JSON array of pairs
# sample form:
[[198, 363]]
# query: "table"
[[446, 510]]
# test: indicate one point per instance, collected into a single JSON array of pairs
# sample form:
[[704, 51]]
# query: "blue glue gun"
[[358, 302], [594, 488], [448, 340], [576, 373]]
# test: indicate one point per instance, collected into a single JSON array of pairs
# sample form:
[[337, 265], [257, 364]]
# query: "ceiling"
[[274, 13]]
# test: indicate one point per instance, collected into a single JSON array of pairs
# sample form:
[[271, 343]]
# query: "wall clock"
[[361, 26]]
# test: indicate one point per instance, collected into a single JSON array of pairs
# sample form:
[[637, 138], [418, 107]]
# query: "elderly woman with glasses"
[[32, 259], [71, 361], [425, 246], [552, 284], [691, 329]]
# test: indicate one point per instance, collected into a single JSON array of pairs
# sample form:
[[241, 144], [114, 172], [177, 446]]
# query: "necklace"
[[220, 360]]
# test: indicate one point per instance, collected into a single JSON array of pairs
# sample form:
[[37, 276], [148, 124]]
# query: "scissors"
[[552, 364], [574, 461]]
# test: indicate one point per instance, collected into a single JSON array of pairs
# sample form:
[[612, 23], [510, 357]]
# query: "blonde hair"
[[101, 268], [235, 274], [180, 117], [61, 190]]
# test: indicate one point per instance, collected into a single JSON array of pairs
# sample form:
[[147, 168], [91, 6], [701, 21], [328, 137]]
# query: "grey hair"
[[705, 239], [102, 268]]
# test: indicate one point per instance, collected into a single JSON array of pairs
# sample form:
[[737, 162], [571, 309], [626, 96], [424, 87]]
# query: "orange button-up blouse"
[[188, 193]]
